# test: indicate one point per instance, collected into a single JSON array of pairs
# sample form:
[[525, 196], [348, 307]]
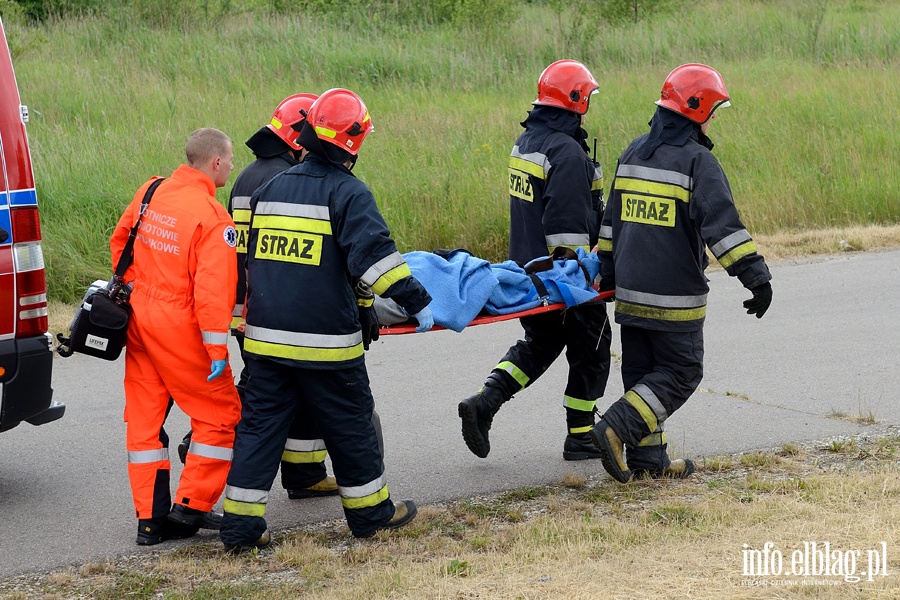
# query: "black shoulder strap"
[[128, 251]]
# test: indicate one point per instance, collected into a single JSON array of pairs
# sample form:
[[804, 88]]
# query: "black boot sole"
[[479, 446], [568, 455]]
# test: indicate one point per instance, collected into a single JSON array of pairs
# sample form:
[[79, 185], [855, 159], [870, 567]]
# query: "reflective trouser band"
[[578, 404], [207, 451], [245, 502], [604, 245], [364, 496], [365, 501], [645, 411], [584, 429], [296, 458], [654, 439], [214, 338], [648, 396], [297, 451], [138, 457], [514, 371]]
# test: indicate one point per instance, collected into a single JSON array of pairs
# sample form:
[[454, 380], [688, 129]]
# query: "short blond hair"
[[205, 144]]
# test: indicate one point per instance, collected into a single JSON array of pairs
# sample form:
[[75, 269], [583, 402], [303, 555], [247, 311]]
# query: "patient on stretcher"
[[463, 286]]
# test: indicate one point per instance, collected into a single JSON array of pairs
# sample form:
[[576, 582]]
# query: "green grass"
[[808, 143]]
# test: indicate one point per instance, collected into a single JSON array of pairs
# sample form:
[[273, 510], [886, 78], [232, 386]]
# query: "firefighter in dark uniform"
[[556, 201], [317, 249], [275, 147], [669, 202]]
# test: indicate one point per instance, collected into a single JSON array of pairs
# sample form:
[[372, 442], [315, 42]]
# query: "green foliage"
[[808, 142], [633, 11]]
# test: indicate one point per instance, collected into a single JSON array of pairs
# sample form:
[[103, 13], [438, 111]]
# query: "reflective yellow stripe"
[[390, 278], [241, 216], [292, 224], [526, 166], [577, 404], [365, 302], [737, 253], [668, 190], [367, 501], [515, 371], [236, 322], [660, 314], [242, 230], [604, 245], [597, 185], [580, 429], [297, 458], [326, 132], [303, 353], [246, 509], [654, 439], [645, 411]]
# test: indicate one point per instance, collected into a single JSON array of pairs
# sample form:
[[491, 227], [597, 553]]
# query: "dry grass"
[[594, 539], [798, 244]]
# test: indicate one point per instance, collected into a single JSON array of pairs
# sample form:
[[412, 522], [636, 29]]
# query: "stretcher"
[[484, 319]]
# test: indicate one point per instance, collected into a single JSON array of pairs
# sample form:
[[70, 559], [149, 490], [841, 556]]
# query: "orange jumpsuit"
[[184, 278]]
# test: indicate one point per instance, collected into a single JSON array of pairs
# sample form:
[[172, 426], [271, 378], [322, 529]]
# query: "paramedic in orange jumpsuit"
[[183, 277]]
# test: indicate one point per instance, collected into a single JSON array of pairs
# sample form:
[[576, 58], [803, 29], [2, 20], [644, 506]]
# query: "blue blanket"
[[461, 285], [565, 282]]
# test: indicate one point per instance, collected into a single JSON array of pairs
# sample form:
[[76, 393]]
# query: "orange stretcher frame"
[[404, 328]]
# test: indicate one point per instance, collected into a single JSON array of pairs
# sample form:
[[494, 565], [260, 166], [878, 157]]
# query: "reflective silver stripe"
[[216, 452], [598, 173], [658, 175], [381, 267], [361, 491], [572, 240], [210, 337], [304, 445], [309, 340], [138, 457], [246, 495], [240, 202], [532, 157], [653, 402], [287, 209], [658, 300], [729, 242], [238, 310], [606, 232]]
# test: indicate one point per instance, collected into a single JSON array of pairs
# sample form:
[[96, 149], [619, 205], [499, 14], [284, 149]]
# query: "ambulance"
[[26, 349]]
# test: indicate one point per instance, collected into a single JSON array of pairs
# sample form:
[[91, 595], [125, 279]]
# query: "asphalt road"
[[827, 345]]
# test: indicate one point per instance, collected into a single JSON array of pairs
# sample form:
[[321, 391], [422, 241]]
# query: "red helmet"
[[566, 84], [340, 117], [695, 91], [288, 114]]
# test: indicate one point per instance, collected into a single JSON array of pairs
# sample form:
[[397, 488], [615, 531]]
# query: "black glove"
[[370, 326], [368, 318], [759, 303]]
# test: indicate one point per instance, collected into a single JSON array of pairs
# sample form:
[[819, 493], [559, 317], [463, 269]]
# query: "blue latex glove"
[[425, 319], [216, 368]]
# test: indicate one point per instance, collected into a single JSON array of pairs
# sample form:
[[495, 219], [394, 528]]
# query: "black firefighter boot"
[[477, 412]]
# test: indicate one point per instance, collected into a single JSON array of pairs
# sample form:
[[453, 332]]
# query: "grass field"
[[713, 536], [809, 142]]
